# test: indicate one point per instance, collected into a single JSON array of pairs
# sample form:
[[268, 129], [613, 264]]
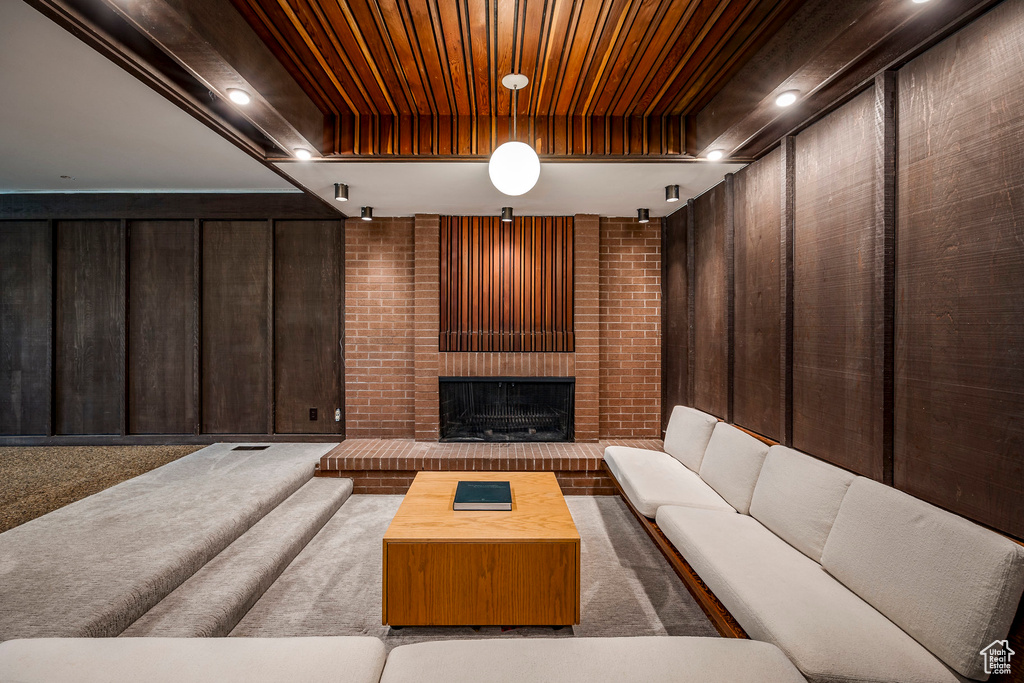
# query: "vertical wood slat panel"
[[757, 403], [710, 303], [236, 296], [959, 382], [675, 314], [837, 390], [26, 280], [506, 286], [89, 327], [307, 329], [161, 335]]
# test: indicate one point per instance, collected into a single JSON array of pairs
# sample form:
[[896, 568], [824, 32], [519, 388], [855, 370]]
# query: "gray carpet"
[[95, 566], [333, 586], [215, 598]]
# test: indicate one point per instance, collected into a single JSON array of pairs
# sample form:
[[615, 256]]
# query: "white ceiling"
[[464, 188], [67, 110]]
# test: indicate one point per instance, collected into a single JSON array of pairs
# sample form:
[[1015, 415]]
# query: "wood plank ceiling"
[[607, 77]]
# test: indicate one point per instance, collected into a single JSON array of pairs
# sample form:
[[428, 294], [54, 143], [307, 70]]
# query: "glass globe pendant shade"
[[514, 168]]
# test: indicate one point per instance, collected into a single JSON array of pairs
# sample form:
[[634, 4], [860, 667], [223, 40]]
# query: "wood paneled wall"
[[757, 399], [162, 295], [506, 286], [924, 394], [25, 314], [837, 410], [960, 343], [675, 303], [164, 325], [89, 327], [237, 258], [712, 237], [308, 322]]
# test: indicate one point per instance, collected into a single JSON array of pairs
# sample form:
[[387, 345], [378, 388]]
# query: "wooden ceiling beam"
[[828, 51], [210, 40]]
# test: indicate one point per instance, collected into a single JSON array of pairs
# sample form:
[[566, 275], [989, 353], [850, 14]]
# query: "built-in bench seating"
[[362, 660], [853, 580]]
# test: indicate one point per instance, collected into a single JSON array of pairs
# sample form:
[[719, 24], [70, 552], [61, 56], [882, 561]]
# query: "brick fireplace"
[[392, 325]]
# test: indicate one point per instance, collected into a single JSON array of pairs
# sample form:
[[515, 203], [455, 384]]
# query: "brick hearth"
[[387, 466]]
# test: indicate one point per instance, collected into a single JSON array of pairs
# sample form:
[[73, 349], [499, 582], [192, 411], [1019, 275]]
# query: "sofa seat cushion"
[[798, 497], [732, 463], [687, 435], [589, 660], [651, 479], [781, 596], [948, 582], [217, 660]]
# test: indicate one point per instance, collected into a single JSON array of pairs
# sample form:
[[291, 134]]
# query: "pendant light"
[[514, 167]]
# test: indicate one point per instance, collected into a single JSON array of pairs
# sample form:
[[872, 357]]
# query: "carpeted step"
[[95, 566], [216, 597]]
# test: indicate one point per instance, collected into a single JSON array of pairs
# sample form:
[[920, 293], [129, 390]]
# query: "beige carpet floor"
[[333, 587], [35, 480]]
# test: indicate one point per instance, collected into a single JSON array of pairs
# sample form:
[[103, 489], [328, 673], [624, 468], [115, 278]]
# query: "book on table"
[[483, 495]]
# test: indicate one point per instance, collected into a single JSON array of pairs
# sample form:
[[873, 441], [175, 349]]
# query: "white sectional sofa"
[[851, 579], [362, 660]]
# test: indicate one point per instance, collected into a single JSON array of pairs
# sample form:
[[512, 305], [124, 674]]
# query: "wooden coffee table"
[[518, 568]]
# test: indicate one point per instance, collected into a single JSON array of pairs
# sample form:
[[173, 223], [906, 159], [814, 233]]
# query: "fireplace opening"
[[507, 408]]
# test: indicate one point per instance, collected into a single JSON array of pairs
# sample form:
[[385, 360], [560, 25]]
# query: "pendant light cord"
[[515, 111]]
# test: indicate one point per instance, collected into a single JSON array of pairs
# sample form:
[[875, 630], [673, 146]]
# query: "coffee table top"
[[539, 512]]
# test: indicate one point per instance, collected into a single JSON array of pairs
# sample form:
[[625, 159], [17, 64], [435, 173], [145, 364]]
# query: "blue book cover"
[[483, 495]]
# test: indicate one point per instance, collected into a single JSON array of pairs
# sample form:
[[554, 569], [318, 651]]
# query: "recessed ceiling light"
[[341, 192], [302, 153], [366, 213], [715, 155], [239, 96], [787, 98], [671, 193]]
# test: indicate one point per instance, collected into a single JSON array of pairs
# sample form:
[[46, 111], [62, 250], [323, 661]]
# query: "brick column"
[[427, 319], [587, 313]]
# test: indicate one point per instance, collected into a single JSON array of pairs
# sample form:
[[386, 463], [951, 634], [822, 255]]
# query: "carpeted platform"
[[95, 566], [333, 587], [215, 598]]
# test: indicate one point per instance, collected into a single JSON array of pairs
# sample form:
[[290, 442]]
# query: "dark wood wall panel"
[[959, 437], [837, 392], [675, 314], [506, 286], [89, 329], [25, 317], [236, 327], [162, 334], [757, 403], [308, 301], [711, 302]]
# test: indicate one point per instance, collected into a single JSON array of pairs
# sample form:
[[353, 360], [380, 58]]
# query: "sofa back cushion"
[[687, 435], [731, 464], [949, 583], [797, 497]]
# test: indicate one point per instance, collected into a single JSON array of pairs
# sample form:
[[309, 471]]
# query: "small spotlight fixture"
[[366, 213], [303, 154], [506, 214], [715, 155], [671, 193], [643, 215], [239, 96], [787, 98], [340, 192]]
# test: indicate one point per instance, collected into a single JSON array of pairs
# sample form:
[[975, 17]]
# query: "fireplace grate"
[[506, 409]]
